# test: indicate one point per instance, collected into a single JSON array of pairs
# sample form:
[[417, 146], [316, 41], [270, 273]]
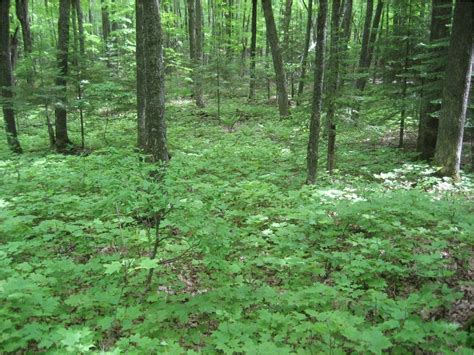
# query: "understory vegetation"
[[375, 258]]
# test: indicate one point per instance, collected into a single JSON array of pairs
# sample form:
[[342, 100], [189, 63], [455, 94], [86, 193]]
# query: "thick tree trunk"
[[155, 81], [455, 91], [62, 139], [364, 51], [333, 68], [428, 127], [141, 75], [280, 77], [304, 59], [6, 78], [23, 17], [253, 50], [315, 121]]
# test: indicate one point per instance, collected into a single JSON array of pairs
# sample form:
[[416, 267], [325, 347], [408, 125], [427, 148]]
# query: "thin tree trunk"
[[62, 139], [6, 78], [105, 21], [198, 56], [286, 27], [373, 35], [364, 51], [280, 77], [428, 127], [23, 17], [80, 25], [253, 50], [315, 121], [304, 60], [456, 91], [155, 86], [141, 75], [333, 84]]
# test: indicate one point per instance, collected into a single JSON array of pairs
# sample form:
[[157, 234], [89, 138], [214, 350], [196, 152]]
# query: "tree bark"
[[141, 75], [198, 56], [333, 84], [373, 34], [286, 27], [315, 121], [253, 50], [62, 139], [304, 59], [105, 21], [22, 15], [6, 78], [80, 25], [155, 86], [428, 127], [364, 51], [455, 91], [280, 76]]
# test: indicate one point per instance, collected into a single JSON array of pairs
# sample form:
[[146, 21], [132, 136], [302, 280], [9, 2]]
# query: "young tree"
[[155, 81], [312, 157], [80, 25], [439, 31], [455, 91], [253, 49], [198, 56], [272, 36], [62, 139], [6, 78]]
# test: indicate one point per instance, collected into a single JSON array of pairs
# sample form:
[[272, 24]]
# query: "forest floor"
[[251, 260]]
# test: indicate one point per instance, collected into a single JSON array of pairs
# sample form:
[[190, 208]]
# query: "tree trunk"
[[198, 56], [62, 139], [315, 121], [277, 58], [364, 51], [6, 78], [155, 83], [141, 75], [191, 30], [22, 15], [105, 21], [80, 25], [455, 91], [333, 69], [373, 34], [253, 50], [428, 127], [286, 27], [304, 59]]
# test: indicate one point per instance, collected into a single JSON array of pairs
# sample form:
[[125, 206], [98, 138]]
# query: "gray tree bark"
[[6, 78], [455, 91], [428, 127], [62, 139], [253, 50], [312, 157], [280, 76], [304, 59], [141, 75], [155, 82]]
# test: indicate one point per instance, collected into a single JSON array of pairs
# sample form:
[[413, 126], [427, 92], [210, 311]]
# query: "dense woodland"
[[236, 176]]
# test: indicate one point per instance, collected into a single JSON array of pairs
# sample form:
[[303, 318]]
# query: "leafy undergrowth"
[[375, 258]]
